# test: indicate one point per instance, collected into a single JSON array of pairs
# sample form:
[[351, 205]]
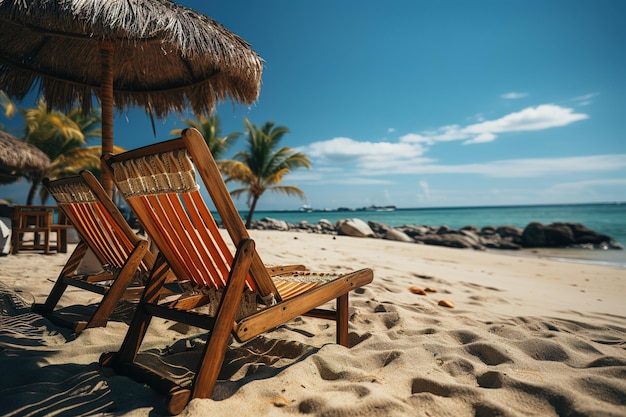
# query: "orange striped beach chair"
[[124, 256], [245, 297]]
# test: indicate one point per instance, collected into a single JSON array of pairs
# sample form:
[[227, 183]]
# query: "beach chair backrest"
[[96, 219], [159, 184]]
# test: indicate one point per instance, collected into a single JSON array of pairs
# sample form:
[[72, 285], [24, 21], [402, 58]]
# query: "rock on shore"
[[534, 235]]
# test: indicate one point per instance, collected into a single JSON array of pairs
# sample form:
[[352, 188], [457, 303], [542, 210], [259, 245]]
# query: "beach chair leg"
[[116, 291], [46, 242], [215, 349], [177, 400], [141, 319], [79, 326], [61, 285], [136, 332], [342, 320]]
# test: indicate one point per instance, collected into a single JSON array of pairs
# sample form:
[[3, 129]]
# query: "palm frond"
[[277, 176], [290, 190], [7, 104]]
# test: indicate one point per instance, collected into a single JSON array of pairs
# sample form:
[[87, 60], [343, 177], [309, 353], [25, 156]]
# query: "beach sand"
[[528, 336]]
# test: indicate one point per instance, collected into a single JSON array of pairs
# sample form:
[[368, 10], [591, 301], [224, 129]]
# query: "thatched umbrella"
[[18, 157], [150, 53]]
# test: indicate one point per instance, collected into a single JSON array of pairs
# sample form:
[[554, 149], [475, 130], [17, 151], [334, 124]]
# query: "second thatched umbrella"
[[154, 54], [18, 158]]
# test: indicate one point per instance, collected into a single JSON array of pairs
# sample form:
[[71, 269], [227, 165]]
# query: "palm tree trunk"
[[31, 192], [251, 212]]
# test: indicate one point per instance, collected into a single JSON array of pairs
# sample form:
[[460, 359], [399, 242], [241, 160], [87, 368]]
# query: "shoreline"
[[506, 239], [574, 255]]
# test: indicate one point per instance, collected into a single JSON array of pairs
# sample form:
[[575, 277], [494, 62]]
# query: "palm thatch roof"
[[18, 157], [166, 57]]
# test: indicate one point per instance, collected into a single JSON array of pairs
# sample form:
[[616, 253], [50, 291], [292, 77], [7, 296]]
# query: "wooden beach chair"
[[159, 184], [124, 256]]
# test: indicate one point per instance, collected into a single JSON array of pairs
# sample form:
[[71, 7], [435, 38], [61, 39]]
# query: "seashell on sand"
[[446, 303], [417, 290]]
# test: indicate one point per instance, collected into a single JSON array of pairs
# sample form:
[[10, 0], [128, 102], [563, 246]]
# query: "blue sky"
[[431, 103]]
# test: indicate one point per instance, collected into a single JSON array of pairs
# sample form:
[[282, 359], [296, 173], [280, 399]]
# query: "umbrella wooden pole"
[[106, 98]]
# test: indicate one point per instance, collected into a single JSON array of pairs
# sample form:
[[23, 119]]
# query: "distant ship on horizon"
[[378, 208], [305, 208], [369, 208]]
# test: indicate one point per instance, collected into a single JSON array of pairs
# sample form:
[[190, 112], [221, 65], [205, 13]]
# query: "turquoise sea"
[[609, 219]]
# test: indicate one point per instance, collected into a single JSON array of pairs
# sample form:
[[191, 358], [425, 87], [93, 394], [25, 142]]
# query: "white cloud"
[[577, 186], [586, 97], [542, 117], [416, 138], [365, 155], [478, 117], [585, 100], [448, 133], [513, 95], [482, 138], [545, 116], [406, 156], [520, 168], [605, 190], [346, 179]]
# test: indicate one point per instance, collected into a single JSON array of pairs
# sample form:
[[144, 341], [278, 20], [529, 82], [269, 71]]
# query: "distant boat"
[[379, 208], [306, 208]]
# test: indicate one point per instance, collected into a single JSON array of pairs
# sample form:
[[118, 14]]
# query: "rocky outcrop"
[[451, 240], [267, 223], [354, 227], [393, 234], [534, 235], [563, 235]]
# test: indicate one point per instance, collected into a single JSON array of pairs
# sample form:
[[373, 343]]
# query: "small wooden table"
[[36, 222]]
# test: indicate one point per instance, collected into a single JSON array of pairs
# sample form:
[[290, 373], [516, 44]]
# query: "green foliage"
[[211, 130], [7, 104], [51, 131]]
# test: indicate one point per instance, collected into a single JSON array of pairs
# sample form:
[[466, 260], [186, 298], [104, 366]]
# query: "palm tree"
[[261, 166], [62, 138], [88, 123], [211, 130], [51, 131]]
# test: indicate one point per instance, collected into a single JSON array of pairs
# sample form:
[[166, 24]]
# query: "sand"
[[528, 336]]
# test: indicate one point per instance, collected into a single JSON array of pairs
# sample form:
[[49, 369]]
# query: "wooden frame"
[[105, 232], [189, 242]]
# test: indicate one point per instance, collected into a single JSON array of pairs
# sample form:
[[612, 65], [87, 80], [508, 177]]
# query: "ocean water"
[[608, 219]]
